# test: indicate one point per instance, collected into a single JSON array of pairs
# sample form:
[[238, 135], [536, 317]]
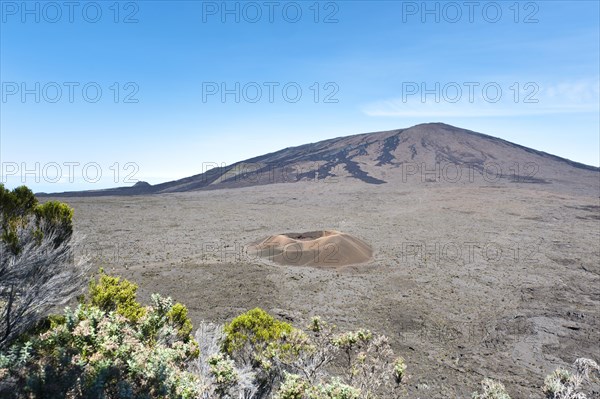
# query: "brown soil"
[[498, 280]]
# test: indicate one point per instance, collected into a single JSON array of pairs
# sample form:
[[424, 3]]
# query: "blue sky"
[[134, 90]]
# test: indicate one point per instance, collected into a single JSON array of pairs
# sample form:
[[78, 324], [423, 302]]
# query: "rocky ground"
[[497, 280]]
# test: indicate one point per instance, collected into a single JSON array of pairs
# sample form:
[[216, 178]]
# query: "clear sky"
[[160, 90]]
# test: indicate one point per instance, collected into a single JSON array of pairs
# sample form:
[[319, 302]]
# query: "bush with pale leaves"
[[565, 384], [95, 353]]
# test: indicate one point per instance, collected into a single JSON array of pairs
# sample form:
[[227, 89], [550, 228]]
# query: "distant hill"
[[426, 153]]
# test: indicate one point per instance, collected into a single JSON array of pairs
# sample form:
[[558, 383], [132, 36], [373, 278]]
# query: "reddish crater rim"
[[310, 235]]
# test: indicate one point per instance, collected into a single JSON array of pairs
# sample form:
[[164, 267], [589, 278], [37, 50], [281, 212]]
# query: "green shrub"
[[100, 354], [47, 323], [293, 387], [19, 205], [115, 294], [96, 351], [399, 369], [565, 384], [296, 387], [350, 339], [256, 327], [55, 218], [224, 372], [491, 390], [39, 269], [336, 390], [15, 208], [178, 315]]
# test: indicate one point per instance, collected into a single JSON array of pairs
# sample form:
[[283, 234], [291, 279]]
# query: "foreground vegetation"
[[112, 346]]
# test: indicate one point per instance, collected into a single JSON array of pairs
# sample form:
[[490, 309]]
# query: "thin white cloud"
[[579, 96]]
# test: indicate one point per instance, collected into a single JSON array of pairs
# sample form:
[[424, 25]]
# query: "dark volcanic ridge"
[[426, 153]]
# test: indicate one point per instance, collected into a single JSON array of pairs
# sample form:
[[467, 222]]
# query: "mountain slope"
[[427, 153]]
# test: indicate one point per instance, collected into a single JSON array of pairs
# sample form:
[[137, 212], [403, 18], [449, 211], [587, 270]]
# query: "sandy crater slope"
[[469, 278], [325, 248]]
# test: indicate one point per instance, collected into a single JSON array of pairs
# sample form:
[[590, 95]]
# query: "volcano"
[[427, 153]]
